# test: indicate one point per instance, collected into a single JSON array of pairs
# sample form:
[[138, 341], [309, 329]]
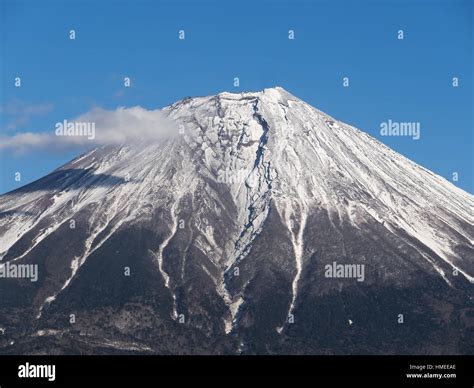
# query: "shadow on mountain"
[[70, 179]]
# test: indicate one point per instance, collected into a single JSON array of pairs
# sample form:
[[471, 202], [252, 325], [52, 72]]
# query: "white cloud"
[[121, 126]]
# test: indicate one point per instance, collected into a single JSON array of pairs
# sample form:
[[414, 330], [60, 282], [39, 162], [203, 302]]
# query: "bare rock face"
[[264, 227]]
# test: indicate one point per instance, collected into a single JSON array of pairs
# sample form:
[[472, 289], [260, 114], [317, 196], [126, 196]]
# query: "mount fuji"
[[242, 233]]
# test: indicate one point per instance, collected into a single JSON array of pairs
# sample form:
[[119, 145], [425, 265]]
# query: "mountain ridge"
[[243, 209]]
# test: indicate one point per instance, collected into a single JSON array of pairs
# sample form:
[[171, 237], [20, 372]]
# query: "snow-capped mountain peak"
[[252, 185]]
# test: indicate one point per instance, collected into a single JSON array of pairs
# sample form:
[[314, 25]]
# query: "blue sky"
[[402, 80]]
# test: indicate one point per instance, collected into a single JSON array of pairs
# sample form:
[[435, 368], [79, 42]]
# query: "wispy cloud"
[[18, 113], [120, 126]]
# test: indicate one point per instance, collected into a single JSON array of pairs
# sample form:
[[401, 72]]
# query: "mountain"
[[264, 226]]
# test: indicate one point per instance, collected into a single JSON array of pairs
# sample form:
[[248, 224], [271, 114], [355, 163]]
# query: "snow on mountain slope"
[[237, 157]]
